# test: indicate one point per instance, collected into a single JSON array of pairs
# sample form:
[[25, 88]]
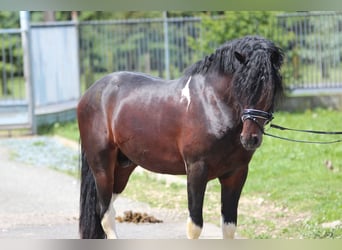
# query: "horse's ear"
[[241, 58]]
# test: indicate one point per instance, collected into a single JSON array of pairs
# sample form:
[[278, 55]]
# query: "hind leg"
[[121, 176], [102, 165], [108, 220]]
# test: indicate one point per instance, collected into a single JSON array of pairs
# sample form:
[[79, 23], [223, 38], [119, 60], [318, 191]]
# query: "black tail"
[[90, 222]]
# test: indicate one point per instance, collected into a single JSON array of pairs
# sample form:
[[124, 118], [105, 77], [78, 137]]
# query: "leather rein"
[[255, 114]]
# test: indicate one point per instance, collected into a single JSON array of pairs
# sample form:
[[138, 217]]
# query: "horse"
[[207, 124]]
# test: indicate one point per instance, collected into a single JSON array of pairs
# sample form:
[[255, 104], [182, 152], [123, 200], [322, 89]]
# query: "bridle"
[[255, 114]]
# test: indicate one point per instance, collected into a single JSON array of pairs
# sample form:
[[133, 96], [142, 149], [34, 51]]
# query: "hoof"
[[193, 231]]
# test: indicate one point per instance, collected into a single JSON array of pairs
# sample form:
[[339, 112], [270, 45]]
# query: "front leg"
[[197, 177], [231, 187]]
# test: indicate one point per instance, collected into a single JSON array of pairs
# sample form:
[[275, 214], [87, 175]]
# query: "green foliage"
[[9, 19], [216, 31], [68, 130], [11, 53]]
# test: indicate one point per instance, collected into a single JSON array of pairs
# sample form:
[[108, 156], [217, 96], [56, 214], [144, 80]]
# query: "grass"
[[296, 176], [68, 130], [292, 190], [279, 167]]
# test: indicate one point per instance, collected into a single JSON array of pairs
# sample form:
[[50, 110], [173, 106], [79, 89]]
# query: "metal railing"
[[136, 45], [313, 49], [12, 82], [314, 55]]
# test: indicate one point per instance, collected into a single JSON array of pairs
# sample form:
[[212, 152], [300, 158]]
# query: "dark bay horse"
[[206, 124]]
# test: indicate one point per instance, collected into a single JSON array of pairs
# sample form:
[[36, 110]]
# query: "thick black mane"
[[253, 61]]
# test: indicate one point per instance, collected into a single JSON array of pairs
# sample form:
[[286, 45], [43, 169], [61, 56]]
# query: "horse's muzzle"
[[251, 142]]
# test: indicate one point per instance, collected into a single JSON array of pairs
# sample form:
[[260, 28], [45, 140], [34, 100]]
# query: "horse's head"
[[254, 121], [257, 84]]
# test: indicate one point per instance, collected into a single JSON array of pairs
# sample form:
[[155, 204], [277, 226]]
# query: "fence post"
[[26, 44], [166, 46]]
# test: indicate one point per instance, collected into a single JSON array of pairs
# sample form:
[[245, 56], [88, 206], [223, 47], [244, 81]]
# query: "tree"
[[217, 30], [9, 19]]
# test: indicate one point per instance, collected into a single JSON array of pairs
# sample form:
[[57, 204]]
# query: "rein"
[[253, 114], [307, 131], [301, 141]]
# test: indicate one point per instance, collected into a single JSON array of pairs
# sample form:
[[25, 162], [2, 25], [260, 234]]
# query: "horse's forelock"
[[259, 79]]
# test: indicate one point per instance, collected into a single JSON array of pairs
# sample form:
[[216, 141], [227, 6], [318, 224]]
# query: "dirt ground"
[[42, 203]]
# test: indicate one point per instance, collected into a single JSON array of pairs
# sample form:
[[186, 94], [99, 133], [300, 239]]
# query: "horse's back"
[[106, 90]]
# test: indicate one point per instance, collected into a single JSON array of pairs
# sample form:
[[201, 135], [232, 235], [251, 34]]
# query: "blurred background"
[[48, 59]]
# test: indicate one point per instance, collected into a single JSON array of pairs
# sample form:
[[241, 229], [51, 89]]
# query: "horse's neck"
[[223, 87]]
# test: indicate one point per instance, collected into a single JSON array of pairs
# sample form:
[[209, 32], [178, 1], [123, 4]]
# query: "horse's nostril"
[[251, 142], [255, 140]]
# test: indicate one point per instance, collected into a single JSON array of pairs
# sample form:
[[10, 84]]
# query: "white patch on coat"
[[228, 230], [186, 93], [108, 220], [217, 114], [193, 231]]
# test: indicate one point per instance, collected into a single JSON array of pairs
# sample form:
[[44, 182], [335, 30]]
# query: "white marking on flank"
[[186, 93], [108, 220], [193, 231], [228, 230]]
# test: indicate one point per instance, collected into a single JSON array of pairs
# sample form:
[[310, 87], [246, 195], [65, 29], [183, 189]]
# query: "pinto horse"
[[207, 124]]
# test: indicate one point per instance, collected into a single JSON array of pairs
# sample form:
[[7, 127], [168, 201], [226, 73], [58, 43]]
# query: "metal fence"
[[39, 79], [312, 43], [314, 54], [154, 46], [55, 64], [14, 101], [12, 85]]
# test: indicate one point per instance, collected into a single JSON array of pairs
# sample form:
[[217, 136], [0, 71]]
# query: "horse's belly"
[[153, 155], [156, 161], [148, 136]]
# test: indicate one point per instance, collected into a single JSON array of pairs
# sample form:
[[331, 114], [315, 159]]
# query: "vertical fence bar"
[[26, 36], [166, 46], [4, 75]]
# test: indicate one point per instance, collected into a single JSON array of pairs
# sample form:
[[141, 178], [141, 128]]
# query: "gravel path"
[[37, 201]]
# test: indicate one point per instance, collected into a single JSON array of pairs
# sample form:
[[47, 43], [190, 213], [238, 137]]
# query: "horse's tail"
[[89, 222]]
